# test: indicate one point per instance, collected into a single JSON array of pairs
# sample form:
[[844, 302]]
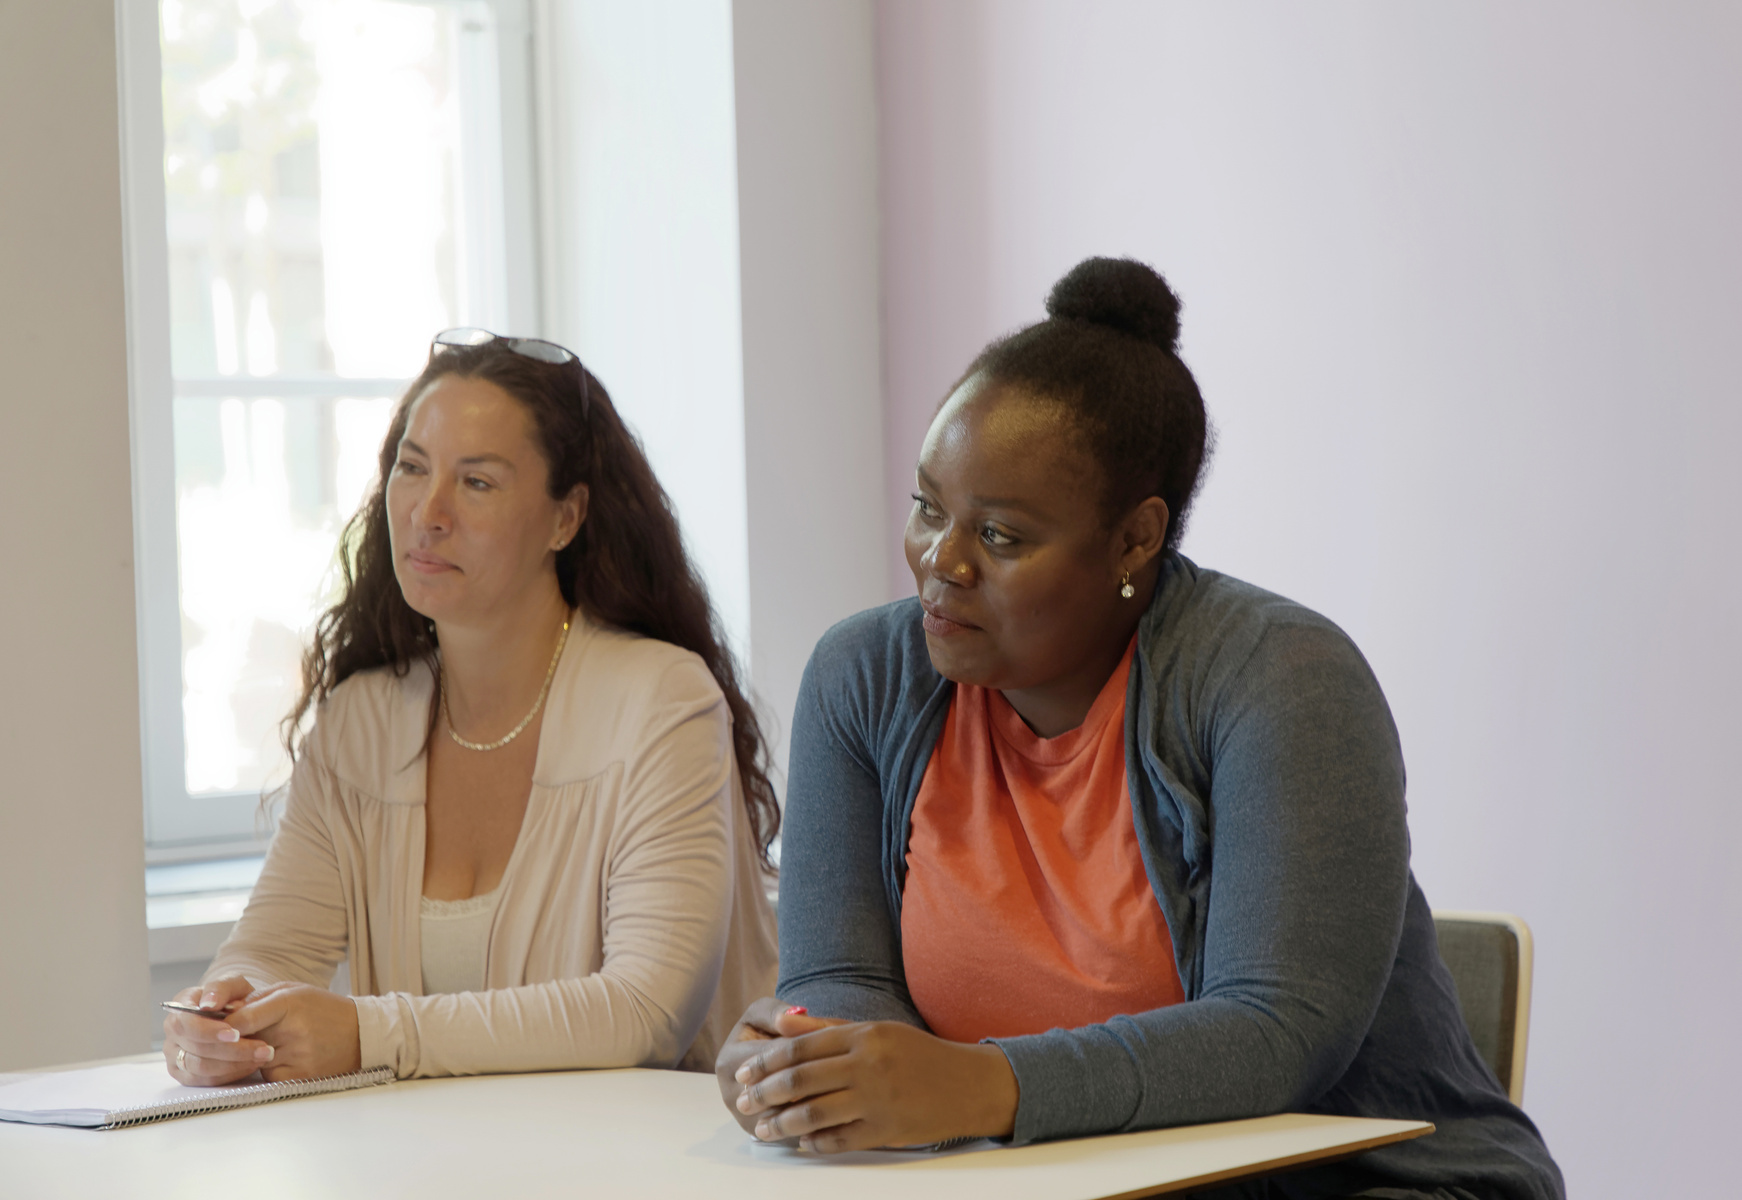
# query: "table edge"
[[1274, 1166]]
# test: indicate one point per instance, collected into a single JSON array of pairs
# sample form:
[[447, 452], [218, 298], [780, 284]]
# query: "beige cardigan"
[[633, 928]]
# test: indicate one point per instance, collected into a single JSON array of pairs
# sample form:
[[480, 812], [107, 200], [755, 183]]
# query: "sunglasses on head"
[[536, 349]]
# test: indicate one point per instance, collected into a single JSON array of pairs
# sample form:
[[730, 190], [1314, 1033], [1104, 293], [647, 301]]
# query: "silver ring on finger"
[[181, 1059]]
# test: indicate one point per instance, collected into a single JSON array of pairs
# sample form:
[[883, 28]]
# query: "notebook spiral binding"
[[259, 1093]]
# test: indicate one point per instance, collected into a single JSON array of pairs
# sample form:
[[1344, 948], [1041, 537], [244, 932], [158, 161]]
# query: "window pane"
[[311, 156], [263, 487], [312, 170]]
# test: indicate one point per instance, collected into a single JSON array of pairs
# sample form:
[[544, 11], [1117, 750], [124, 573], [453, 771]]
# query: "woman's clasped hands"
[[284, 1031], [836, 1085]]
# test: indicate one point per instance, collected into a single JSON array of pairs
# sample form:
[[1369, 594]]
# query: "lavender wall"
[[1462, 291]]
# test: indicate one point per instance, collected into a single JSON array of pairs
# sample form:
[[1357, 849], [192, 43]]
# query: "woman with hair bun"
[[532, 811], [1086, 838]]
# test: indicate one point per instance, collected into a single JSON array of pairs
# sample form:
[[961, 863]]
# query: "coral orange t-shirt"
[[1026, 905]]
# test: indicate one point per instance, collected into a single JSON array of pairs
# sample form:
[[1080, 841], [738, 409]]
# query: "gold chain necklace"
[[550, 671]]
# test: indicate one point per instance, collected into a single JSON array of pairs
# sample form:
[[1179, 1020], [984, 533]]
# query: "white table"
[[612, 1134]]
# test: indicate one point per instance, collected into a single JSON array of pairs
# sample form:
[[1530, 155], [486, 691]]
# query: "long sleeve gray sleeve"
[[840, 940]]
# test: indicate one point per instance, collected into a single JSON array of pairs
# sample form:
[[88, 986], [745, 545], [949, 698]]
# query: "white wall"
[[72, 893], [712, 210], [1462, 291], [813, 404], [641, 224]]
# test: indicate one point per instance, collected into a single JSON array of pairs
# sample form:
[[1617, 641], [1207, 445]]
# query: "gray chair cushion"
[[1483, 960]]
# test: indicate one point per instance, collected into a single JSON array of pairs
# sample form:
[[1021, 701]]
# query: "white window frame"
[[180, 827]]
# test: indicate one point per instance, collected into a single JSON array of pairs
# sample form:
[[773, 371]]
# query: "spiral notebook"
[[124, 1094]]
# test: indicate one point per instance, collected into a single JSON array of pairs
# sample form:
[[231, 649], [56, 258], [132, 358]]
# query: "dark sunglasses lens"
[[542, 350], [464, 337]]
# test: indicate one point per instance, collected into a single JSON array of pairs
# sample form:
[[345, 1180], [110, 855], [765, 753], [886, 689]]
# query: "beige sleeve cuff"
[[387, 1034]]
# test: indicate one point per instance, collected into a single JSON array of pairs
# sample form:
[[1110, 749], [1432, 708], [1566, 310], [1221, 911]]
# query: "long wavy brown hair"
[[626, 568]]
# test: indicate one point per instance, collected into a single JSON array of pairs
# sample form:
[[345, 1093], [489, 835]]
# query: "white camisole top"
[[455, 940]]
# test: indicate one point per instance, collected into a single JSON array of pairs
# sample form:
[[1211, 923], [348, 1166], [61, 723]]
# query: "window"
[[315, 188]]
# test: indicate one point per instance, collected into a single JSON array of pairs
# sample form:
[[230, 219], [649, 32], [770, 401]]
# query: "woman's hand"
[[204, 1051], [767, 1020], [869, 1085], [311, 1032]]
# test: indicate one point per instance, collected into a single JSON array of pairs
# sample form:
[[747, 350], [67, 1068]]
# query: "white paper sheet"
[[87, 1097]]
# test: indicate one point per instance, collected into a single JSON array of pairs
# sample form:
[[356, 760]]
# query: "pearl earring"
[[1125, 588]]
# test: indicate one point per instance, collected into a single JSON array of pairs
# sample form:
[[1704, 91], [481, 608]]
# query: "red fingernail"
[[797, 1010]]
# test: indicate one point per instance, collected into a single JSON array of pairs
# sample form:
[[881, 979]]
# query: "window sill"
[[187, 943], [190, 908]]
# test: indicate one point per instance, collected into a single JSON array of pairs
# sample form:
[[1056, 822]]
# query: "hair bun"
[[1122, 294]]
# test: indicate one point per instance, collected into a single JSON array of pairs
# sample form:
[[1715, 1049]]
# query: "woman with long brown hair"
[[530, 804]]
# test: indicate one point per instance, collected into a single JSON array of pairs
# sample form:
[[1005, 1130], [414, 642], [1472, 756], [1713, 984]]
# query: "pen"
[[217, 1014]]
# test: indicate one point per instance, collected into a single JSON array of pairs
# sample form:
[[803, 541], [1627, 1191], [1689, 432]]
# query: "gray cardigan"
[[1267, 790]]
